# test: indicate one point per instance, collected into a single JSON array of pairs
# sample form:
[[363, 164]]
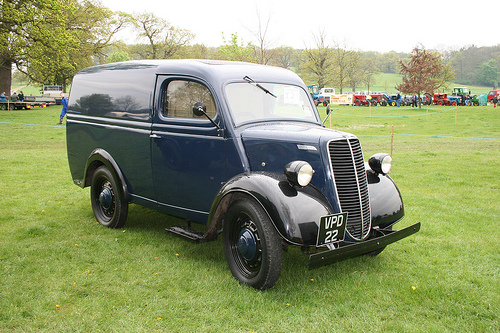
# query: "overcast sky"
[[385, 25]]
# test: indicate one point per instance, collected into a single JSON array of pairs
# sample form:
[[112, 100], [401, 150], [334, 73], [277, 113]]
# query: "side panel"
[[109, 109]]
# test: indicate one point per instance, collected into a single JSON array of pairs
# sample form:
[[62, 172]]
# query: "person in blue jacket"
[[64, 102], [3, 98]]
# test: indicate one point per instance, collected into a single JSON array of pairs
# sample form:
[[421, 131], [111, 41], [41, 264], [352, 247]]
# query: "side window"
[[179, 96]]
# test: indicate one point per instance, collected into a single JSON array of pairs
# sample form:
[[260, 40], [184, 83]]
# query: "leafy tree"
[[422, 73], [343, 65], [164, 40], [284, 56], [369, 71], [353, 66], [388, 62], [234, 51], [118, 56], [488, 73], [25, 25], [319, 63]]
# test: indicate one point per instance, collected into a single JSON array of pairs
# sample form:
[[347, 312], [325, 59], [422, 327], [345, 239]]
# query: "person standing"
[[64, 102], [494, 100]]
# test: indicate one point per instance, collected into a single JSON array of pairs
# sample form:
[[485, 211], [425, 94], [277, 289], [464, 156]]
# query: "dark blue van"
[[237, 147]]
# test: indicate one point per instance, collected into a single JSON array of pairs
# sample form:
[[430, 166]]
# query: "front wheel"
[[109, 208], [251, 244]]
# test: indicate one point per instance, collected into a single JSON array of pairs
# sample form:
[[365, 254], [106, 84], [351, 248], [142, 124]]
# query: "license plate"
[[332, 228]]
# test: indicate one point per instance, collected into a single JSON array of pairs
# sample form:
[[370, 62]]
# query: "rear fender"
[[101, 157]]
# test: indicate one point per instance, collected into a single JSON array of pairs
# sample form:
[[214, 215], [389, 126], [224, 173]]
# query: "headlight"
[[299, 173], [381, 163]]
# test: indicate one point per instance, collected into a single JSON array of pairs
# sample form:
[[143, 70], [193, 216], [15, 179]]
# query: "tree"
[[263, 51], [234, 51], [342, 67], [422, 73], [284, 56], [319, 61], [25, 24], [488, 73], [118, 56], [90, 28], [369, 71], [164, 40], [353, 67]]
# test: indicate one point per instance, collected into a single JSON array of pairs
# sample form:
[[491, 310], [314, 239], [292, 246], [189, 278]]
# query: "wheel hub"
[[247, 245], [106, 198]]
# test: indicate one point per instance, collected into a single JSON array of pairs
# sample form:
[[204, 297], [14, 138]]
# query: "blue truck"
[[238, 149]]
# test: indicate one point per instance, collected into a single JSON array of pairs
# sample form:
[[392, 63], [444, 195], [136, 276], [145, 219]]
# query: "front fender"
[[385, 200], [295, 212]]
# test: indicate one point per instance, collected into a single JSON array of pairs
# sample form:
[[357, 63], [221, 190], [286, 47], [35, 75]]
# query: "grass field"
[[62, 272]]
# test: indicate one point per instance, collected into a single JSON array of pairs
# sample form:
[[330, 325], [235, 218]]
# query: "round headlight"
[[381, 163], [299, 173]]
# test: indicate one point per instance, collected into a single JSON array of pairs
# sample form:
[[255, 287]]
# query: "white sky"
[[386, 25]]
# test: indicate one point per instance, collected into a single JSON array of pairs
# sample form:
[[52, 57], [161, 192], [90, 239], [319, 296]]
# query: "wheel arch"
[[279, 200], [101, 157]]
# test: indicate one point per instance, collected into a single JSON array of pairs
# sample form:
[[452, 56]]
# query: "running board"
[[187, 233]]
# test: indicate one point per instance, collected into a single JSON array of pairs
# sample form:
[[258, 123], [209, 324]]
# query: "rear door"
[[187, 151]]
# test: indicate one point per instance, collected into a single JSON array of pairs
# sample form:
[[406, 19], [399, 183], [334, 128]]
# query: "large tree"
[[164, 40], [234, 50], [422, 73], [23, 25], [319, 61], [51, 40]]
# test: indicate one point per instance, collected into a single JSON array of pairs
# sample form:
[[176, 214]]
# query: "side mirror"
[[328, 111], [199, 109]]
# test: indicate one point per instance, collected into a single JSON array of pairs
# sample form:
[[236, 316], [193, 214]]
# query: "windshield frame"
[[314, 119]]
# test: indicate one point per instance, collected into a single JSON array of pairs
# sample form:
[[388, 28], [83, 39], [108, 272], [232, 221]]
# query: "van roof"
[[210, 70]]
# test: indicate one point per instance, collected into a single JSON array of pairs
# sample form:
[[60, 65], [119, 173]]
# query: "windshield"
[[250, 101]]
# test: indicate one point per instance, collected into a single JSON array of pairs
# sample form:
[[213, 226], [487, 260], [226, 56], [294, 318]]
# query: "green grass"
[[61, 271]]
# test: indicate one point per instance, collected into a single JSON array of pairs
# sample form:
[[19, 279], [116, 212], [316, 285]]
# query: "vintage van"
[[237, 147]]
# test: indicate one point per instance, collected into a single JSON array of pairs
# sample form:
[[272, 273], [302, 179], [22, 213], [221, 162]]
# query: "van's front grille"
[[351, 183]]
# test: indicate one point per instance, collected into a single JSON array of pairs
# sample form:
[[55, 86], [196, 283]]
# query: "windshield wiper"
[[249, 80]]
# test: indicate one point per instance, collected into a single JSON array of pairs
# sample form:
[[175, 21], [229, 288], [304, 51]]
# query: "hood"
[[271, 146]]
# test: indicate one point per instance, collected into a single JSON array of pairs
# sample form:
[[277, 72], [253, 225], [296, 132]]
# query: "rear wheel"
[[251, 244], [109, 208]]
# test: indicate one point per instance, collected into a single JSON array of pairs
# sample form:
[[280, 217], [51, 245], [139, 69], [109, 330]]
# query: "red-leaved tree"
[[422, 74]]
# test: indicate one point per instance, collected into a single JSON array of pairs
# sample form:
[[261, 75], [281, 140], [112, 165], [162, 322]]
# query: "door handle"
[[154, 136]]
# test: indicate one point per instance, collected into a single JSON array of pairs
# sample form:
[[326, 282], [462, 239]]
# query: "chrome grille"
[[349, 172]]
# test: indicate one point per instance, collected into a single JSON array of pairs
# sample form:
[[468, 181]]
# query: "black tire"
[[252, 246], [108, 205]]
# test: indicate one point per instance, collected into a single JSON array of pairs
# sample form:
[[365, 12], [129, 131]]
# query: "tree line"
[[48, 41]]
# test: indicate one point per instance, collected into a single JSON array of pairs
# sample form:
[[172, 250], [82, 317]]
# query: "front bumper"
[[357, 249]]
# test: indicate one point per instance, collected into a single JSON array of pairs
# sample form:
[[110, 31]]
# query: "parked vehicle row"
[[460, 96]]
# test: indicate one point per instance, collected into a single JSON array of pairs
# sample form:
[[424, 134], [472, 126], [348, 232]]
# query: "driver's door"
[[187, 151]]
